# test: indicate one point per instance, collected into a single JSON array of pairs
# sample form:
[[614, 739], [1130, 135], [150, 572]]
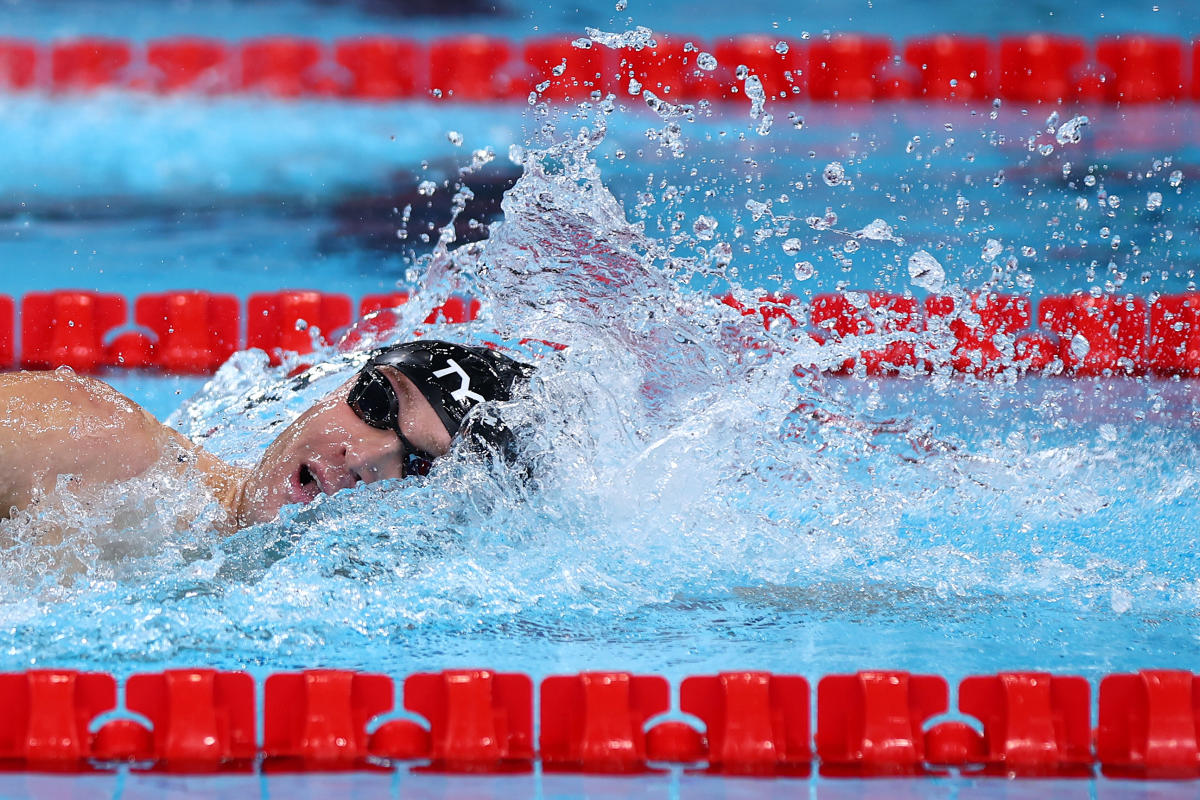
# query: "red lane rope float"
[[1034, 68], [194, 332], [872, 723]]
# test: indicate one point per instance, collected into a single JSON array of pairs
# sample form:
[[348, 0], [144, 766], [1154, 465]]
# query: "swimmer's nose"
[[375, 462]]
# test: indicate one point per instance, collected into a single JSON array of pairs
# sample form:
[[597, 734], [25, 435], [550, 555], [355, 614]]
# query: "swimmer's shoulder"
[[34, 403], [59, 423]]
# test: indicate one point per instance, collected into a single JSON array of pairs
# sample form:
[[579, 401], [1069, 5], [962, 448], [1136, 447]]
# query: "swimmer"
[[397, 414]]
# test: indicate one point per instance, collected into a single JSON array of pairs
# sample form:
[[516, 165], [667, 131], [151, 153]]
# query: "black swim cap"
[[454, 378]]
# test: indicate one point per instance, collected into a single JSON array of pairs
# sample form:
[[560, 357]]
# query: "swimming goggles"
[[373, 400]]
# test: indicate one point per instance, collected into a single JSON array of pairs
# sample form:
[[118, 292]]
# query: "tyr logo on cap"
[[464, 390]]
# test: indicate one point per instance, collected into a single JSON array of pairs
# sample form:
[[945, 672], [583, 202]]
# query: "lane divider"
[[871, 723], [1034, 68], [194, 332]]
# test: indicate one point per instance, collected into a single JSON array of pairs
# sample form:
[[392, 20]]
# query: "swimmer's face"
[[328, 448]]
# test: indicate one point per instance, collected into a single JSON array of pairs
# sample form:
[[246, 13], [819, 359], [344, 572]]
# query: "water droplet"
[[741, 72], [804, 270], [791, 246], [1070, 131], [559, 69], [834, 173], [796, 120], [481, 157], [705, 227], [879, 231], [1114, 201], [781, 48], [756, 208], [1089, 180], [764, 127], [722, 254], [754, 90], [426, 188], [454, 137], [1175, 179], [1028, 251], [1046, 149], [1153, 201], [851, 246], [1122, 599], [991, 249], [639, 38], [622, 5], [635, 86], [823, 223], [1081, 203], [706, 61], [1079, 346], [926, 271]]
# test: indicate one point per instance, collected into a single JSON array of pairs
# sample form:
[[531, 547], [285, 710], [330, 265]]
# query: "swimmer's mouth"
[[305, 485]]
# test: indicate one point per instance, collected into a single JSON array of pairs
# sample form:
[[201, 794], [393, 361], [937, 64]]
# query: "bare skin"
[[56, 424]]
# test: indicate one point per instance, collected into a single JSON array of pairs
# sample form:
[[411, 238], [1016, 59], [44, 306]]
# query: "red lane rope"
[[1019, 724], [1034, 68], [194, 332]]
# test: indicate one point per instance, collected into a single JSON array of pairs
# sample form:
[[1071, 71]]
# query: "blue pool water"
[[681, 521]]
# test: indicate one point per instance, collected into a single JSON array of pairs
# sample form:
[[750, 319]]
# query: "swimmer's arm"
[[56, 424]]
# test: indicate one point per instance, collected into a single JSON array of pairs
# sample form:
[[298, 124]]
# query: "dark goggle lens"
[[374, 401]]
